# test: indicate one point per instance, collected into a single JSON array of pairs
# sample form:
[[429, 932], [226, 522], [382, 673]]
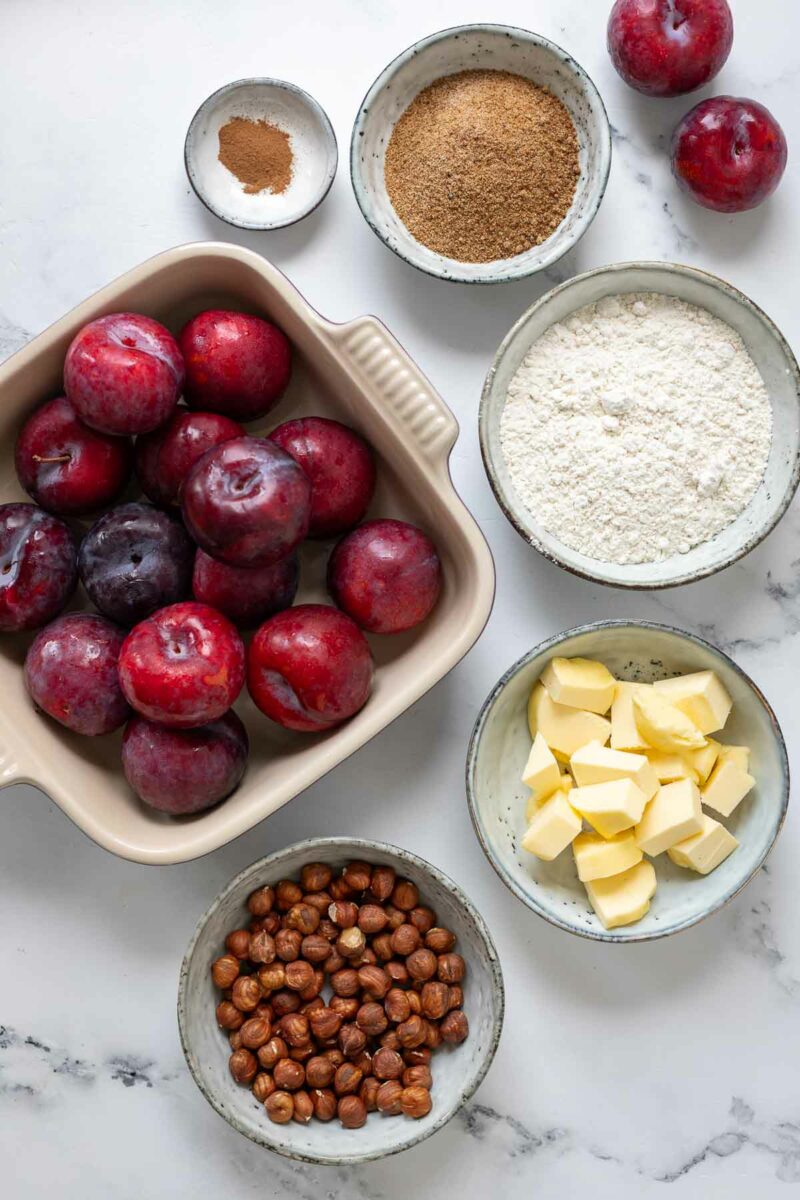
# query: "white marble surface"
[[619, 1069]]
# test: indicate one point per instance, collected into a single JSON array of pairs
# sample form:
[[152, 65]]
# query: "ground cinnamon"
[[258, 153], [482, 165]]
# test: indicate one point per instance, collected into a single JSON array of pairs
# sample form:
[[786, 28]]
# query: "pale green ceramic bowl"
[[496, 797]]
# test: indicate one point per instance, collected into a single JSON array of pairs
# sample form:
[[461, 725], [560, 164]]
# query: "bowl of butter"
[[626, 780]]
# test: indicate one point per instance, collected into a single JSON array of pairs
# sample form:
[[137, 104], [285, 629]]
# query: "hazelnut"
[[287, 893], [372, 918], [374, 981], [340, 889], [455, 1027], [352, 1112], [390, 1040], [388, 1098], [435, 999], [228, 1015], [225, 970], [327, 929], [319, 1072], [243, 1065], [439, 940], [367, 959], [263, 1086], [315, 877], [417, 1077], [368, 1093], [272, 976], [357, 876], [235, 1039], [263, 1010], [394, 917], [396, 1005], [288, 1074], [325, 1024], [433, 1037], [311, 1006], [295, 1029], [285, 1002], [334, 1055], [422, 918], [412, 1032], [456, 996], [313, 989], [288, 943], [324, 1101], [345, 1006], [343, 913], [271, 924], [302, 1053], [405, 940], [382, 883], [260, 902], [302, 917], [237, 943], [255, 1033], [387, 1064], [405, 895], [272, 1052], [299, 974], [419, 1057], [364, 1061], [414, 1001], [334, 962], [321, 901], [371, 1018], [315, 949], [382, 946], [246, 993], [415, 1102], [451, 968], [345, 982], [397, 972], [421, 964], [262, 947], [303, 1108], [347, 1079], [352, 1040], [280, 1107]]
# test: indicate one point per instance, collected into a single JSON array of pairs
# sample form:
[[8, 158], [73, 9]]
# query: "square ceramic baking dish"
[[355, 372]]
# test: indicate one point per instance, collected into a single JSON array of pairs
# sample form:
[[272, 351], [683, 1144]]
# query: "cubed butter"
[[738, 754], [669, 767], [624, 731], [555, 824], [579, 683], [727, 786], [594, 763], [704, 759], [673, 814], [564, 729], [609, 807], [624, 898], [597, 857], [700, 696], [705, 850], [662, 725], [565, 783], [541, 773]]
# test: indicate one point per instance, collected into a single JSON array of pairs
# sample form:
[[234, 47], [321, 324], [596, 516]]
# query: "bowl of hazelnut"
[[340, 1001]]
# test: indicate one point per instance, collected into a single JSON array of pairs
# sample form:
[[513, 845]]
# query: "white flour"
[[636, 428]]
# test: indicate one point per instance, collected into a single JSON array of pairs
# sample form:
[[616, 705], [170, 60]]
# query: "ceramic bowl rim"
[[361, 848], [314, 107], [473, 804], [487, 402], [586, 84]]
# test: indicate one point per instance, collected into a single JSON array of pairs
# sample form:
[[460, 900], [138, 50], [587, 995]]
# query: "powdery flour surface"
[[636, 428]]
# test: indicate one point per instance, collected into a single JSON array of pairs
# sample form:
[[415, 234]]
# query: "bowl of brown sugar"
[[481, 154], [260, 153]]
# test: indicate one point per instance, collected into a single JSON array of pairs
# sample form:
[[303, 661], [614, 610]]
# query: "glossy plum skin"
[[386, 575], [71, 673], [339, 465], [182, 667], [67, 467], [134, 560], [236, 364], [182, 771], [38, 567], [166, 456], [247, 502], [729, 154], [246, 595], [124, 373], [669, 47], [309, 668]]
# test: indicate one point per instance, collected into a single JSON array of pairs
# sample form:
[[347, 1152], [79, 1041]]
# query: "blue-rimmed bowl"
[[467, 48], [500, 743]]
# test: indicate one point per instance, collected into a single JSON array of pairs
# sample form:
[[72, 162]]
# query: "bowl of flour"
[[640, 425]]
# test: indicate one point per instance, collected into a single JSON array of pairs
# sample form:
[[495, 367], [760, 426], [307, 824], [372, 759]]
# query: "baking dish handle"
[[385, 368], [10, 770]]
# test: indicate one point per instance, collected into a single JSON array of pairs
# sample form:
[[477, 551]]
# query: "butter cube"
[[597, 857], [662, 725], [625, 898], [594, 763], [673, 814], [541, 773], [609, 807], [624, 731], [704, 759], [705, 850], [738, 754], [727, 786], [579, 683], [564, 729], [565, 783], [700, 696], [669, 767], [554, 825]]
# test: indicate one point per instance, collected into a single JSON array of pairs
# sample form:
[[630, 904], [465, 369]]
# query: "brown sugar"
[[482, 165], [257, 153]]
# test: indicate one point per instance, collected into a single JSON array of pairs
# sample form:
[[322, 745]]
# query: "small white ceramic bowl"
[[465, 48], [457, 1071], [499, 747], [313, 145], [768, 349]]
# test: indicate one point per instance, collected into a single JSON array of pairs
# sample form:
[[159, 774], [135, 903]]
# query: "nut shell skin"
[[184, 770], [236, 364], [71, 673], [38, 567]]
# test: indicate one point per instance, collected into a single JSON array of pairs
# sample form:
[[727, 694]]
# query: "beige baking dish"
[[356, 372]]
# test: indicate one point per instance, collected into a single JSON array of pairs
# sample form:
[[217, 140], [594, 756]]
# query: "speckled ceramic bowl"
[[483, 47], [768, 349], [496, 797], [457, 1072]]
